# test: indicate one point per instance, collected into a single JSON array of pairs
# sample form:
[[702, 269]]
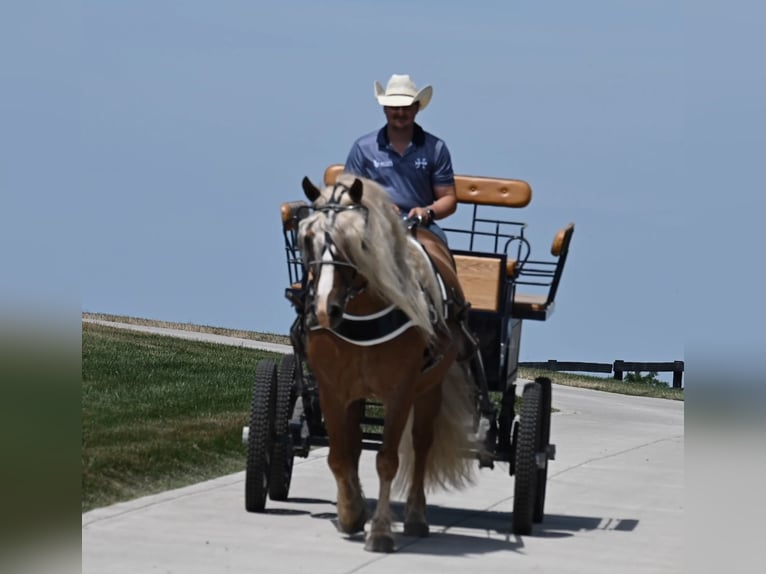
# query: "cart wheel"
[[525, 487], [259, 442], [542, 446], [282, 453]]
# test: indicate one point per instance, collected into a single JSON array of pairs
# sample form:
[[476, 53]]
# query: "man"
[[413, 165]]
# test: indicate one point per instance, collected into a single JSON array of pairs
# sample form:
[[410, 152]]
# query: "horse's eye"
[[347, 273]]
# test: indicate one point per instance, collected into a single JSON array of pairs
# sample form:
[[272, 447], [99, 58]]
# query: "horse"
[[382, 321]]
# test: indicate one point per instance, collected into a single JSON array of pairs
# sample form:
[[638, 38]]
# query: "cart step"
[[542, 458]]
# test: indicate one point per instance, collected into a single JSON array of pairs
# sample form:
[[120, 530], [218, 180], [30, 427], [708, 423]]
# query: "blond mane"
[[378, 245]]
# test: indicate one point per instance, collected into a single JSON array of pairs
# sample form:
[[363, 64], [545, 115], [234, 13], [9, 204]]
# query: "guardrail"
[[618, 367]]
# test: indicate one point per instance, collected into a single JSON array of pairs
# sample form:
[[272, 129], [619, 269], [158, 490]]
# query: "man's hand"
[[421, 212]]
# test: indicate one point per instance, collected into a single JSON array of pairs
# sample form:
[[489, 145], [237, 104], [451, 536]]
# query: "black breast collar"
[[373, 329]]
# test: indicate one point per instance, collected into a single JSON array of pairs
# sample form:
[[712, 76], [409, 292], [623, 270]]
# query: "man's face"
[[401, 117]]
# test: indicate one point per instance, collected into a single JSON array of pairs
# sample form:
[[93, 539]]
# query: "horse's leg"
[[344, 433], [387, 463], [358, 510], [354, 415], [426, 410]]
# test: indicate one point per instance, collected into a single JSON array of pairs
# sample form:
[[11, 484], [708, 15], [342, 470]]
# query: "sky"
[[149, 144]]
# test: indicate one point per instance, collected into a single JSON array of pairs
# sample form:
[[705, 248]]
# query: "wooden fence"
[[619, 368]]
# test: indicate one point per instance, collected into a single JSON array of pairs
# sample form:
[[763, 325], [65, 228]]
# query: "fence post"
[[618, 368], [678, 373]]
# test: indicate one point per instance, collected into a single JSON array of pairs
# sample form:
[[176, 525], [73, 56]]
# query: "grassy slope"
[[159, 412]]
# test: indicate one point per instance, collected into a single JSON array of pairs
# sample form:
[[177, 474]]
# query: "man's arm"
[[445, 195], [446, 201], [445, 204]]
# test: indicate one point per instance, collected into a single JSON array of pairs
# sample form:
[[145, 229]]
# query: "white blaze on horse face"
[[324, 287]]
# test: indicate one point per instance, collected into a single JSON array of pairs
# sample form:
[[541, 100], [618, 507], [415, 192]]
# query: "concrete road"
[[196, 336]]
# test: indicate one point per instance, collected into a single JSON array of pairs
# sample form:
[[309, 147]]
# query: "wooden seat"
[[540, 306], [528, 306], [482, 279]]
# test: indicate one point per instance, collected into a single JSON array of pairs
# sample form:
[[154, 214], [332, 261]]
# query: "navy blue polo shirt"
[[410, 178]]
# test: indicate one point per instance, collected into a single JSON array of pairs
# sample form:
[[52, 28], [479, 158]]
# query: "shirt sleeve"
[[355, 161], [442, 174]]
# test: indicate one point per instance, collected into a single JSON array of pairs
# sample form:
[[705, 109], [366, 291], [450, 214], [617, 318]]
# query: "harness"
[[373, 329]]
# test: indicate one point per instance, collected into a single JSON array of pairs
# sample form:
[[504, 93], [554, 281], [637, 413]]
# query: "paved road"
[[615, 503]]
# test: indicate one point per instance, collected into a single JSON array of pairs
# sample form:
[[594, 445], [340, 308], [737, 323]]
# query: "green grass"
[[609, 385], [159, 412]]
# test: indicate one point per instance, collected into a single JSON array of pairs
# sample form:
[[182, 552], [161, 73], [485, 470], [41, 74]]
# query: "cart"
[[504, 286]]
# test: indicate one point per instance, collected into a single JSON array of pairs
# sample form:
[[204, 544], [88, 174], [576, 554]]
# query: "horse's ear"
[[355, 191], [311, 191]]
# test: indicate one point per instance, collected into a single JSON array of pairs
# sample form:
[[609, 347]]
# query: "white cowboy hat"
[[401, 91]]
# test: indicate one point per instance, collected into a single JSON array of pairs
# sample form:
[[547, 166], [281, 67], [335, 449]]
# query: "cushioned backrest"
[[473, 189], [561, 239], [289, 210], [492, 191]]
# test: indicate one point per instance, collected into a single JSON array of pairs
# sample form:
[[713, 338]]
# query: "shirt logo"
[[421, 163], [384, 163]]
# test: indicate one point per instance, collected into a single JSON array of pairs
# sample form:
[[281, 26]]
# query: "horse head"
[[326, 243]]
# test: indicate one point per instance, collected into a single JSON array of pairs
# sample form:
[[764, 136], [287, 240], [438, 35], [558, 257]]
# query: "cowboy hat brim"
[[396, 100]]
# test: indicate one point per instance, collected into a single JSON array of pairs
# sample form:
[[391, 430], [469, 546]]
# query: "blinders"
[[352, 283]]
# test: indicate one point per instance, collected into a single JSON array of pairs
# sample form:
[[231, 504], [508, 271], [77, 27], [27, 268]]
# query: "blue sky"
[[153, 142]]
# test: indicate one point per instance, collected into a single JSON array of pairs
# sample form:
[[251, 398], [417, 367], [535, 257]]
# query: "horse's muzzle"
[[330, 317]]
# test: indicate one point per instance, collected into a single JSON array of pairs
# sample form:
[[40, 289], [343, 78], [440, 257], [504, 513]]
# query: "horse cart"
[[502, 286]]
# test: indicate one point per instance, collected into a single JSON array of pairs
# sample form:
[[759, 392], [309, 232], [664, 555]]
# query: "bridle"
[[350, 289], [331, 209]]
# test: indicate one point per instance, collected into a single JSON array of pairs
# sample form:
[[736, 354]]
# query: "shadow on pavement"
[[450, 528]]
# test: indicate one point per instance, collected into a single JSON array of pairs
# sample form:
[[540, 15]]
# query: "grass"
[[161, 412], [609, 385]]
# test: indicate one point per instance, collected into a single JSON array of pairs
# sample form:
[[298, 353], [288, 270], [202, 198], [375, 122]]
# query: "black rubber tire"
[[282, 453], [259, 442], [542, 446], [525, 487]]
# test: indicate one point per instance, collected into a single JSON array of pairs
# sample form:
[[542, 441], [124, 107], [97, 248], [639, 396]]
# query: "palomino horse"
[[381, 323]]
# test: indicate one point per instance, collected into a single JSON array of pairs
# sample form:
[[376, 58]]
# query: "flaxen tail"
[[449, 465]]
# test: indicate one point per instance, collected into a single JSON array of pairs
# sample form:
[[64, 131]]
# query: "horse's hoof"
[[354, 527], [417, 529], [349, 523], [379, 544]]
